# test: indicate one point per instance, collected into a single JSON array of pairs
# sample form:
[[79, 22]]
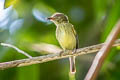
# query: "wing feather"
[[77, 40]]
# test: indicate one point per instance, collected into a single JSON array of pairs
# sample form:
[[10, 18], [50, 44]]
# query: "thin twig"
[[18, 50], [102, 54], [50, 57]]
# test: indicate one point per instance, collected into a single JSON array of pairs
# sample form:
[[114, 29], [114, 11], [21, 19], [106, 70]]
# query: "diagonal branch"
[[102, 54], [50, 57]]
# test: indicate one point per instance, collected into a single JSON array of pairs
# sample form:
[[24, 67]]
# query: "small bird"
[[66, 36]]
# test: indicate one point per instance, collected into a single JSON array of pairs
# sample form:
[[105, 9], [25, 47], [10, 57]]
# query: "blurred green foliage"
[[93, 21]]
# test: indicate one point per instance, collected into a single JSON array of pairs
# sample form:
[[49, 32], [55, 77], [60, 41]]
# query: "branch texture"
[[50, 57], [102, 54]]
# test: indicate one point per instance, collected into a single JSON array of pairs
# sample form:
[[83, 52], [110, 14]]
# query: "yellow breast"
[[66, 37]]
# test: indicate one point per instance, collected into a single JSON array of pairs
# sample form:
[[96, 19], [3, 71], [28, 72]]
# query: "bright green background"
[[93, 20]]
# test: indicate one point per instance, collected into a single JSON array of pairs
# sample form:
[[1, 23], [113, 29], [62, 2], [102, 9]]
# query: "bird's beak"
[[50, 18]]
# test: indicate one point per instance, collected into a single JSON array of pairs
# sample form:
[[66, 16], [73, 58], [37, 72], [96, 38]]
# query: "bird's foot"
[[74, 51], [64, 52]]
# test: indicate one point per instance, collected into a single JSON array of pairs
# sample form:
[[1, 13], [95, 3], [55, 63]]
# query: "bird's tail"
[[72, 65]]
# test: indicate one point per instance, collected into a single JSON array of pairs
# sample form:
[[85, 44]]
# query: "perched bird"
[[66, 36]]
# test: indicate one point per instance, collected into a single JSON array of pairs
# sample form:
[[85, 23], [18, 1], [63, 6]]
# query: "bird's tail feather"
[[72, 65]]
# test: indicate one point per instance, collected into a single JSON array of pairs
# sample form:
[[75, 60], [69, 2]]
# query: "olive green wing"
[[77, 40]]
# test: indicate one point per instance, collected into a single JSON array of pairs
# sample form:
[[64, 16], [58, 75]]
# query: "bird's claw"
[[73, 51], [64, 52]]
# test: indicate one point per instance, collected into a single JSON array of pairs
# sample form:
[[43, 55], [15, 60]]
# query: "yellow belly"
[[67, 40], [66, 36]]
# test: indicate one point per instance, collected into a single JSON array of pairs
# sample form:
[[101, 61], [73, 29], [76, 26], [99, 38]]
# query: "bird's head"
[[58, 18]]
